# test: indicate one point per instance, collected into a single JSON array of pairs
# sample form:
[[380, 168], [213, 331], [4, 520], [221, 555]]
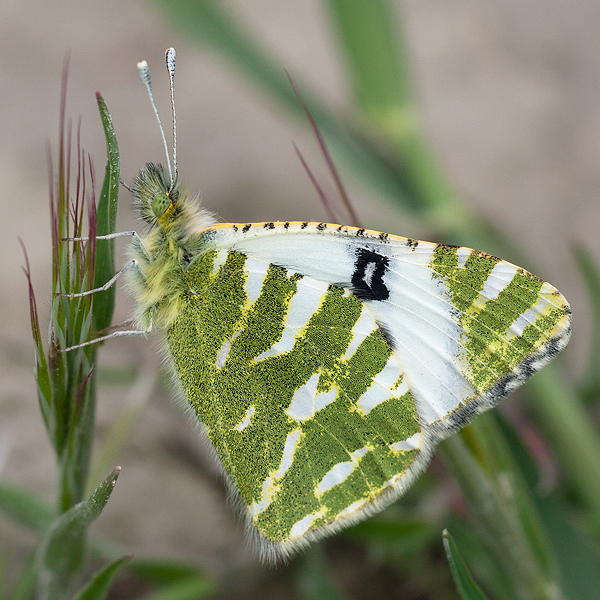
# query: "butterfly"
[[325, 362]]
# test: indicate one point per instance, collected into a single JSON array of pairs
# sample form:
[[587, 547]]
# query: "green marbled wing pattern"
[[467, 328], [299, 392], [325, 364], [505, 312]]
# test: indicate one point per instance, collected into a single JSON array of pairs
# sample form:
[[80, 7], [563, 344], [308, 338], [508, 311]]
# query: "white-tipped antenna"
[[144, 73], [170, 60]]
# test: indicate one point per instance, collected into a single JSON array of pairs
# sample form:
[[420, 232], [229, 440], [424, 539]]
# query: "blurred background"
[[508, 95]]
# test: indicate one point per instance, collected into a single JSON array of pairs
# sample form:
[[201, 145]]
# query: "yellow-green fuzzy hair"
[[167, 249]]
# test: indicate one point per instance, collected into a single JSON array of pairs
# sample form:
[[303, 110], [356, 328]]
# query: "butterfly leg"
[[110, 336], [130, 265], [111, 236], [126, 332]]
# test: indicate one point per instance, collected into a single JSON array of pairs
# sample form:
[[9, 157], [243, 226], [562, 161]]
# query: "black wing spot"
[[245, 228], [269, 225], [321, 226], [412, 243], [367, 279], [304, 225]]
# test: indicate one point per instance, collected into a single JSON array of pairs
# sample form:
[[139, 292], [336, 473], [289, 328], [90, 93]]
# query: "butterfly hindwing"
[[325, 363], [299, 391]]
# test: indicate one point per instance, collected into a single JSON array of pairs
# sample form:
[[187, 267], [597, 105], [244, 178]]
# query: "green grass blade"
[[368, 35], [193, 588], [62, 550], [499, 504], [315, 581], [489, 444], [573, 434], [377, 167], [25, 507], [209, 22], [178, 581], [24, 588], [382, 529], [580, 572], [99, 585], [467, 588], [590, 382], [163, 572], [576, 555], [104, 302]]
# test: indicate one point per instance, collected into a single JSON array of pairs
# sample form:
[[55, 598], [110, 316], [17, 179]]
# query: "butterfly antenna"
[[144, 73], [170, 60]]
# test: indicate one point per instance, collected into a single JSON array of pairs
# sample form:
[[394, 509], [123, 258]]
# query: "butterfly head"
[[155, 197]]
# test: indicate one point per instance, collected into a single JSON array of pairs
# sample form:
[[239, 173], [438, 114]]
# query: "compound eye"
[[160, 204]]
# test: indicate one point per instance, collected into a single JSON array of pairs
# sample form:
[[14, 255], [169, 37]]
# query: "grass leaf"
[[25, 507], [99, 585], [467, 588], [104, 302], [62, 550]]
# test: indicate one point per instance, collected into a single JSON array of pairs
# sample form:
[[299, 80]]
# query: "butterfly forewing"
[[325, 362], [467, 327]]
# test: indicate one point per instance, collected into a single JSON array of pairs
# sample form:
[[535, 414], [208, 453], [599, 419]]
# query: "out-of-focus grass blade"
[[25, 507], [391, 530], [488, 443], [368, 33], [574, 436], [499, 505], [104, 302], [482, 563], [164, 572], [465, 585], [98, 587], [61, 551], [590, 382], [194, 588], [24, 588], [580, 574], [397, 534], [314, 577], [118, 434], [576, 555], [177, 580], [209, 23]]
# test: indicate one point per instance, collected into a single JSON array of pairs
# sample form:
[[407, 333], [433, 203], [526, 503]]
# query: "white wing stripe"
[[305, 302], [257, 271]]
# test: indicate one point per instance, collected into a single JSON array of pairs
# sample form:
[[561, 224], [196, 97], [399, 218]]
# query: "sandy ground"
[[510, 96]]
